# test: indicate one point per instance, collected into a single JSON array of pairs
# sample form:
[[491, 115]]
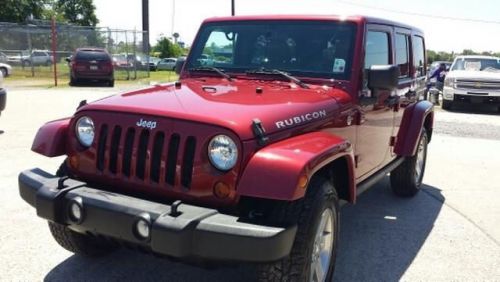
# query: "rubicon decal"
[[146, 124], [300, 119]]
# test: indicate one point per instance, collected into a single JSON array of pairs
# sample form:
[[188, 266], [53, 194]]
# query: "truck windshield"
[[477, 64], [322, 49]]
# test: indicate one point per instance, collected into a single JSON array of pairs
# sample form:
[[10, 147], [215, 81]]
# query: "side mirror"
[[68, 59], [383, 77], [179, 65]]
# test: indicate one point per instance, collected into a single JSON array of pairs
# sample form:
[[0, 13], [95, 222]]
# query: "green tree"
[[18, 11], [167, 49], [79, 12]]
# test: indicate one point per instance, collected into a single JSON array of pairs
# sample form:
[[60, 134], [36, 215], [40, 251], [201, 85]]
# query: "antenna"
[[232, 7]]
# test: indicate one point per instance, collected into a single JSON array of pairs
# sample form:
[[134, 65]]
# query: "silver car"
[[5, 69], [167, 64]]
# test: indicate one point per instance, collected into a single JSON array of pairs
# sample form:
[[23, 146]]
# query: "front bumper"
[[190, 232], [3, 99], [472, 96]]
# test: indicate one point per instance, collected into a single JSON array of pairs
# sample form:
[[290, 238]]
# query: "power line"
[[419, 14]]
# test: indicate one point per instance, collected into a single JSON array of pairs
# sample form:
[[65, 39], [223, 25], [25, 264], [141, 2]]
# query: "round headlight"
[[223, 152], [85, 131]]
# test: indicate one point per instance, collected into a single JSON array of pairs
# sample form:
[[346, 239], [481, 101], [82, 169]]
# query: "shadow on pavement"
[[477, 109], [382, 234], [379, 238]]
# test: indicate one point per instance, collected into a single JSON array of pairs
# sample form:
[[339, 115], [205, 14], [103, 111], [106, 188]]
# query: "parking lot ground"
[[448, 232]]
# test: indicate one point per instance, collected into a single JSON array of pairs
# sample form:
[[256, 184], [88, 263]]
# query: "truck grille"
[[149, 156], [490, 85]]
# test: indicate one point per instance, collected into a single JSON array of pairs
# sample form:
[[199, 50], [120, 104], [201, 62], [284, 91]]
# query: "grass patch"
[[43, 77]]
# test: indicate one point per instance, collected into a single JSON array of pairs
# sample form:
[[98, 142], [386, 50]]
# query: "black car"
[[91, 64]]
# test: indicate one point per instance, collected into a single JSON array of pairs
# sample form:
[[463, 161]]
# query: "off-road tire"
[[306, 213], [447, 105], [75, 242], [80, 244], [73, 81], [403, 180]]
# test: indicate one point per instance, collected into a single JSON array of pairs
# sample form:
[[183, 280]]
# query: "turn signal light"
[[303, 181], [73, 162], [222, 190]]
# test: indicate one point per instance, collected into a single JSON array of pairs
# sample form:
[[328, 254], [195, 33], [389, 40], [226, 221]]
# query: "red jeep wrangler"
[[274, 120]]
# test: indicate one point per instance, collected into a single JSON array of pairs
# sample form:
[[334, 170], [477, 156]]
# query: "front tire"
[[315, 246], [447, 105], [78, 243], [75, 242], [406, 179]]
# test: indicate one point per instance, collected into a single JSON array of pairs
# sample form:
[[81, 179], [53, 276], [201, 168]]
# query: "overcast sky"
[[441, 34]]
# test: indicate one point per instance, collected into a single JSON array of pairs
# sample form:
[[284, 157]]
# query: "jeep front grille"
[[145, 155]]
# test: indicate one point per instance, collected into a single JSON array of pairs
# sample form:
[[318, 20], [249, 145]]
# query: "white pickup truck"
[[472, 79]]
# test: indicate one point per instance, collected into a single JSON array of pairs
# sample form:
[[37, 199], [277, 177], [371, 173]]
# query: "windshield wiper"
[[213, 69], [282, 73]]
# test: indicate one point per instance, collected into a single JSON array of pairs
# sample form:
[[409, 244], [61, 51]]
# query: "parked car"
[[473, 80], [166, 64], [3, 95], [5, 69], [246, 159], [120, 61], [153, 63], [37, 58], [91, 64]]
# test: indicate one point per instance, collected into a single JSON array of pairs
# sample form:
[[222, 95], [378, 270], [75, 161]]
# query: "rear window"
[[87, 56]]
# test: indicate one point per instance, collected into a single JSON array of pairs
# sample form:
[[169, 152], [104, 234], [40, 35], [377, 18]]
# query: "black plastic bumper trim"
[[193, 232]]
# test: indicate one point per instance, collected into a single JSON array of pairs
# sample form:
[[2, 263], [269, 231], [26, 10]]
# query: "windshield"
[[476, 64], [321, 49]]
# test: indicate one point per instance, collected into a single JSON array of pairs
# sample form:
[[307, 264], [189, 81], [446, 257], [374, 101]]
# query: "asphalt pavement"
[[449, 232]]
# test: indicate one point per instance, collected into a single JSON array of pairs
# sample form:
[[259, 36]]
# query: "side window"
[[377, 49], [403, 55], [419, 55]]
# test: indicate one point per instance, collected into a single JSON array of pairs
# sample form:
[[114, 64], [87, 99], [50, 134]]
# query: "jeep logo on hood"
[[146, 124]]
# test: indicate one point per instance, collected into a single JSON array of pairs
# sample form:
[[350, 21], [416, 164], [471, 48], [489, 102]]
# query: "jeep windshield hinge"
[[259, 132]]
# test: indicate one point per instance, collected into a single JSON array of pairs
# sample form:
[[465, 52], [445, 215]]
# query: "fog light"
[[142, 227], [76, 210]]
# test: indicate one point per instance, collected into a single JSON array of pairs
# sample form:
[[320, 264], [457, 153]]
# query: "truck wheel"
[[77, 243], [312, 257], [4, 72], [447, 105], [406, 179], [73, 81]]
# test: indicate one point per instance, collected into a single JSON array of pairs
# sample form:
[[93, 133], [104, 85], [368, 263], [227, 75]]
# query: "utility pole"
[[232, 7], [145, 26]]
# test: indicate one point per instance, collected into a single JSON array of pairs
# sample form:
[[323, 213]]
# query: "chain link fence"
[[29, 49]]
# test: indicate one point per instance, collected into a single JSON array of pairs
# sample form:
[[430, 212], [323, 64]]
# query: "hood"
[[481, 75], [233, 105]]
